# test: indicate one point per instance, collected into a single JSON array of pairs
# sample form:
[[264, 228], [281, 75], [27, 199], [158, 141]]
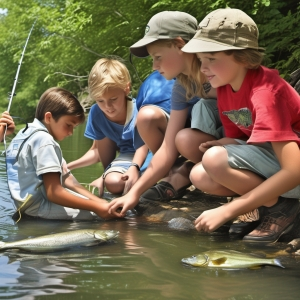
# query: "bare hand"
[[124, 203], [6, 120], [221, 142], [99, 183], [130, 177], [211, 219], [205, 146]]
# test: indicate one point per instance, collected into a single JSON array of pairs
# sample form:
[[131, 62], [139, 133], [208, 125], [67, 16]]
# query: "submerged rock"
[[181, 223]]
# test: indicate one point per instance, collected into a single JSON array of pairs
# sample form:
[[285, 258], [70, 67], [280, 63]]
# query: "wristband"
[[135, 165]]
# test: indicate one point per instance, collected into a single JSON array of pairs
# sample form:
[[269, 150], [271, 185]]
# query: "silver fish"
[[62, 240], [229, 259]]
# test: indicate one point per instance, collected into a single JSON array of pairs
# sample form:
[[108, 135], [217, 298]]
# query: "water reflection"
[[143, 263]]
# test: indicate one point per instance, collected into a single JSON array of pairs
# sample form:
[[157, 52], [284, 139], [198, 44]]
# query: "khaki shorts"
[[259, 159], [120, 164], [205, 117]]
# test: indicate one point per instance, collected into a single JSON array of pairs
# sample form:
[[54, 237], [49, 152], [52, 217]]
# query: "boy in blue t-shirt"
[[112, 126]]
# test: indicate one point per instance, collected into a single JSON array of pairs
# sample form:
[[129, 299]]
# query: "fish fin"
[[255, 267], [278, 263], [100, 236], [91, 244], [219, 261]]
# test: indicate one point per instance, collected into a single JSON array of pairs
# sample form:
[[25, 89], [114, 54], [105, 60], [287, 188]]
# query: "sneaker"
[[276, 221], [245, 223]]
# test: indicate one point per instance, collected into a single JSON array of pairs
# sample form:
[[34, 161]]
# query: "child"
[[260, 112], [153, 104], [111, 124], [38, 179], [7, 125], [166, 33]]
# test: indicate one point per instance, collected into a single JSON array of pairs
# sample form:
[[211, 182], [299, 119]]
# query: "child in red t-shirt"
[[259, 159]]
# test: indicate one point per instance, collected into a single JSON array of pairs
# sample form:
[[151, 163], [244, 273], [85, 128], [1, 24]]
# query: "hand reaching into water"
[[212, 219], [124, 204]]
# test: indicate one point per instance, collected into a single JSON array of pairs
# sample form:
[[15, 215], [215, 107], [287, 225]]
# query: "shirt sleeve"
[[48, 159], [93, 126], [272, 118]]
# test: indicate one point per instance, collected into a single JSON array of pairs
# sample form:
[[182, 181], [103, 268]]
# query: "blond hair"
[[192, 83], [107, 73]]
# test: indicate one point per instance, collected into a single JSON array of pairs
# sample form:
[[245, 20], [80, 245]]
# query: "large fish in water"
[[62, 240], [229, 260]]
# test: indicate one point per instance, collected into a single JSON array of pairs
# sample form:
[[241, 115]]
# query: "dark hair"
[[59, 102]]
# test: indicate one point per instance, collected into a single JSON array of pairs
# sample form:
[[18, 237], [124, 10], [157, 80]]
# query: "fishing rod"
[[12, 94]]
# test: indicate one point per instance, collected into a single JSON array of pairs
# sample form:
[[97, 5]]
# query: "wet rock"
[[181, 223]]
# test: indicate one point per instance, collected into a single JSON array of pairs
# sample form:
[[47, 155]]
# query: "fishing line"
[[12, 94]]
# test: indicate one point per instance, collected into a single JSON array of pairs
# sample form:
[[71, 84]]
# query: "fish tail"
[[278, 263]]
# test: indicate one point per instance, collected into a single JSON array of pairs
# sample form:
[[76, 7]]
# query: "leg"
[[217, 177], [113, 183], [107, 150], [188, 140], [151, 124]]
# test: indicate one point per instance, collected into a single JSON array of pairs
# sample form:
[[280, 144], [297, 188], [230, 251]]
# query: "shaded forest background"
[[70, 35]]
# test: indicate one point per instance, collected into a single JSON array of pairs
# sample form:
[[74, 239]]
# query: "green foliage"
[[70, 35]]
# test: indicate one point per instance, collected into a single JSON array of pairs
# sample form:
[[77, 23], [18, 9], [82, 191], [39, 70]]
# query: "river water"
[[144, 262]]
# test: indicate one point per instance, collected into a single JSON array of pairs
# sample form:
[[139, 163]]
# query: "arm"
[[133, 174], [6, 120], [107, 150], [159, 166], [89, 158], [57, 194], [287, 178]]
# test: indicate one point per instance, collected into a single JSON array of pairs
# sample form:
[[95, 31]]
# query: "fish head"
[[199, 260], [105, 235]]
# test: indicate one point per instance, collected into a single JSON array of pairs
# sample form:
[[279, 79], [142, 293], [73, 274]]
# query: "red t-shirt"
[[265, 109]]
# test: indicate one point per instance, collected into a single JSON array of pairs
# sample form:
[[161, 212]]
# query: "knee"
[[182, 136], [182, 140], [214, 160], [113, 183], [146, 115], [198, 176]]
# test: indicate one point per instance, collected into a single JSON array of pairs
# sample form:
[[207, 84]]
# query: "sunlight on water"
[[144, 262]]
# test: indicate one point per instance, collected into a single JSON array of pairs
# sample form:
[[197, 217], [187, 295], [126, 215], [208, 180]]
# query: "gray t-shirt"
[[39, 154], [178, 97]]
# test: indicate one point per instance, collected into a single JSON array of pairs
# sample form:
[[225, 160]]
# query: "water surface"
[[142, 263]]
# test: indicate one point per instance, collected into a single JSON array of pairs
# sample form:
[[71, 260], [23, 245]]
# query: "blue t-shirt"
[[125, 136], [155, 90]]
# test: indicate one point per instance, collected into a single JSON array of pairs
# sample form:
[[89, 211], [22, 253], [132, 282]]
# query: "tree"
[[70, 35]]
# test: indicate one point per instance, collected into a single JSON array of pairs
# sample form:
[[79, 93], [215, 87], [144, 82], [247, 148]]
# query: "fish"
[[229, 260], [62, 241]]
